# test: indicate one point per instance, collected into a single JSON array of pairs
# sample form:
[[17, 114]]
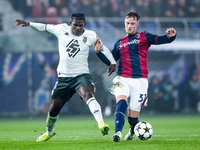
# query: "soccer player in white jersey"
[[74, 43]]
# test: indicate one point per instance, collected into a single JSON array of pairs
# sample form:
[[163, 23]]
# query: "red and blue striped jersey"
[[131, 51]]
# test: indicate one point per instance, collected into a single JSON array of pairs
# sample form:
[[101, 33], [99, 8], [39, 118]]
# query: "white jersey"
[[73, 50]]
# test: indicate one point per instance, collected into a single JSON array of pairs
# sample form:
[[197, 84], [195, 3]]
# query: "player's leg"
[[87, 94], [53, 114], [121, 91], [59, 96], [121, 107], [133, 120], [52, 117], [138, 97]]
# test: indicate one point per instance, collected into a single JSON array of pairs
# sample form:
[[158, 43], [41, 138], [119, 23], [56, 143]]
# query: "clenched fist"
[[22, 23], [171, 32]]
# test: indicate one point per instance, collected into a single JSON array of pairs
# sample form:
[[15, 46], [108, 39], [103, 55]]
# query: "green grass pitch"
[[172, 132]]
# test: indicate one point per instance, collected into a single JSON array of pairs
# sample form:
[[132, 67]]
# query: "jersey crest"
[[84, 39], [73, 48], [137, 35]]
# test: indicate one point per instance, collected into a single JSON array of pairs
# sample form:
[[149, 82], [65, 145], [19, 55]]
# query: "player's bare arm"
[[22, 23], [97, 46], [171, 32], [111, 69]]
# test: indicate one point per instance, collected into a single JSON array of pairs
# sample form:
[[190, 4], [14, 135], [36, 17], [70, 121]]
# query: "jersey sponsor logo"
[[73, 48], [135, 41]]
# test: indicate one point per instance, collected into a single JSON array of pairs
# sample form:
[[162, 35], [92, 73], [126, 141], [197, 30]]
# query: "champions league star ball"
[[143, 130]]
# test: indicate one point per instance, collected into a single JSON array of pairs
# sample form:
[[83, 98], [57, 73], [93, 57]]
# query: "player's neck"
[[78, 34], [129, 34]]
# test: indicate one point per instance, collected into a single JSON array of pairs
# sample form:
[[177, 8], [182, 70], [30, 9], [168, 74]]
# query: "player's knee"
[[54, 110], [87, 95], [53, 113]]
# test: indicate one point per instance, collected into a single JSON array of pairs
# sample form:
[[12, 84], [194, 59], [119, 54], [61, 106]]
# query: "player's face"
[[77, 26], [131, 25]]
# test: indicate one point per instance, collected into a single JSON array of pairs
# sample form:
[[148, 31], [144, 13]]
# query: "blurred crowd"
[[108, 8], [166, 97]]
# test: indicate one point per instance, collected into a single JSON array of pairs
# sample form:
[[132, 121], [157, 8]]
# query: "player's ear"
[[70, 23], [138, 23]]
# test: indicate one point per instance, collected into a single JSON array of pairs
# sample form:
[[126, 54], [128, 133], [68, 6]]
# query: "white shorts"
[[134, 88]]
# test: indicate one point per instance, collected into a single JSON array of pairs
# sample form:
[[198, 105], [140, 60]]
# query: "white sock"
[[50, 123], [95, 109]]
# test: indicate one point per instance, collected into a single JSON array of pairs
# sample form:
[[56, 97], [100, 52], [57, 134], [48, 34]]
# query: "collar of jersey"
[[132, 34], [79, 34]]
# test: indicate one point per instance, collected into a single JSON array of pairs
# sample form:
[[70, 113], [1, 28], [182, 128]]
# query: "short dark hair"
[[78, 16], [133, 14]]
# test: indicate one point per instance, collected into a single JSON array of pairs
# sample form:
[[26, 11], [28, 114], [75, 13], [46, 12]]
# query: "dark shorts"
[[65, 87]]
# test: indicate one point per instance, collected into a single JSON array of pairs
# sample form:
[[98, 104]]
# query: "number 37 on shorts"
[[142, 97]]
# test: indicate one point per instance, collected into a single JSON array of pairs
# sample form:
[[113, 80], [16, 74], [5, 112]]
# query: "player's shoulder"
[[64, 25], [118, 40], [61, 25], [90, 33], [142, 32]]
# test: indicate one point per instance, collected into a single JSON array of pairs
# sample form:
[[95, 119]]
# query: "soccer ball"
[[143, 130]]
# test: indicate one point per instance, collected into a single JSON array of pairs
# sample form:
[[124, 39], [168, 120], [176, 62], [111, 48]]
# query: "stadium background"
[[28, 58]]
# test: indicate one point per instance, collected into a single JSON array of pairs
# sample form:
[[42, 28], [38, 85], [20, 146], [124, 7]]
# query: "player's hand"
[[22, 23], [111, 69], [97, 45], [171, 32]]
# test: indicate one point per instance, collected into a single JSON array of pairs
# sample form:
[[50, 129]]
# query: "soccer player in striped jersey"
[[74, 42], [131, 80]]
